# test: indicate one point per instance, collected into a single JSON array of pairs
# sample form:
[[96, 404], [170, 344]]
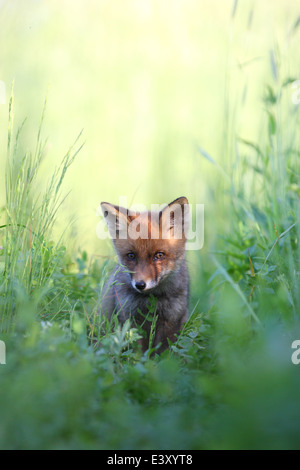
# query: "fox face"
[[151, 245]]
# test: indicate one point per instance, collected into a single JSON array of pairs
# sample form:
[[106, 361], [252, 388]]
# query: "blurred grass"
[[147, 82], [175, 99]]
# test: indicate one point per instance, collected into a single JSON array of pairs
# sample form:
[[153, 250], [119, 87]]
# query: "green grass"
[[72, 380], [228, 382], [29, 256]]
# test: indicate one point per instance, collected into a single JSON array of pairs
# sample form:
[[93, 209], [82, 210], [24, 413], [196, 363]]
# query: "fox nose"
[[140, 285]]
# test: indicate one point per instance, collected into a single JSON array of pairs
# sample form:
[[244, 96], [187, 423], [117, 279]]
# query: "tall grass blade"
[[29, 259], [237, 289]]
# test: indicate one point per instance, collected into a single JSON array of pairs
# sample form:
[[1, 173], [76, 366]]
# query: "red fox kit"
[[151, 251]]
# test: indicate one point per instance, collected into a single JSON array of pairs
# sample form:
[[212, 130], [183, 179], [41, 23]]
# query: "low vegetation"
[[72, 380]]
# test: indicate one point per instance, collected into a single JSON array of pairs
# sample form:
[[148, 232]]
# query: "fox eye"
[[159, 255], [131, 256]]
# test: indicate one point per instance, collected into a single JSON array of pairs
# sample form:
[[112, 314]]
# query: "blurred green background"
[[176, 98], [149, 82]]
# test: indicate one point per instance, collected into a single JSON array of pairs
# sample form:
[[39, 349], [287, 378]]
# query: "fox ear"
[[116, 218], [175, 219]]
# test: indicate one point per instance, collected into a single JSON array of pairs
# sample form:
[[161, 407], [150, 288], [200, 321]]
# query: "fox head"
[[151, 245]]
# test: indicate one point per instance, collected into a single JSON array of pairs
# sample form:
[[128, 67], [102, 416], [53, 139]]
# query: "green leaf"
[[272, 123]]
